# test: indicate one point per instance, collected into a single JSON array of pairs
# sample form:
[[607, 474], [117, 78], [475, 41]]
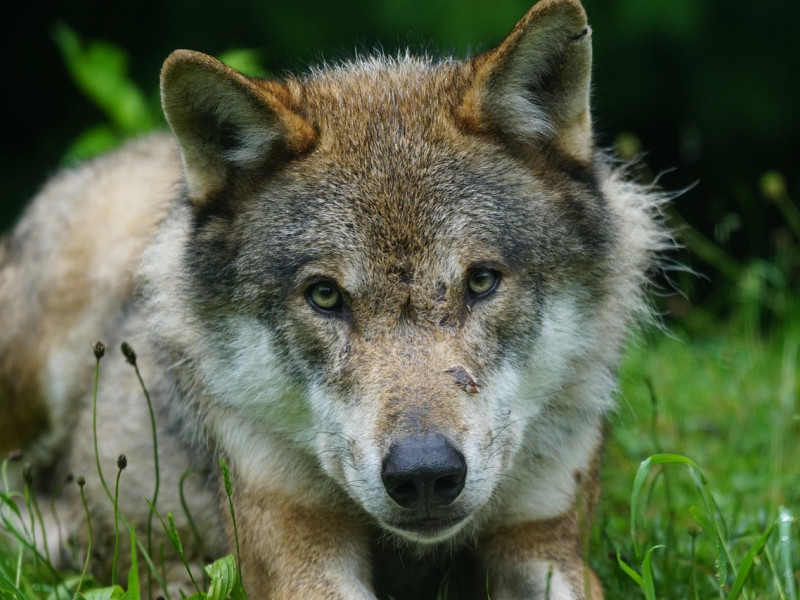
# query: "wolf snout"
[[421, 472]]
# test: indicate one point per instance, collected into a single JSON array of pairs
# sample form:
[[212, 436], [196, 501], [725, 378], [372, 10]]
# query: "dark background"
[[709, 90]]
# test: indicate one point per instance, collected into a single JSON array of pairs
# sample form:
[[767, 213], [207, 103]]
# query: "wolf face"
[[418, 261], [411, 322], [393, 293]]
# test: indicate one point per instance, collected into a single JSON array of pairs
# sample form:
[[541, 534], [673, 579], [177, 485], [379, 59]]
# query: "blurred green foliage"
[[100, 71]]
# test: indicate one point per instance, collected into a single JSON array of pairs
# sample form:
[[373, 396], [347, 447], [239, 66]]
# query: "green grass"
[[26, 574], [728, 401]]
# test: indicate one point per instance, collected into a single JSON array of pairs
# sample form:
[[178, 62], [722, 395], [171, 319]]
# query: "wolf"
[[392, 293]]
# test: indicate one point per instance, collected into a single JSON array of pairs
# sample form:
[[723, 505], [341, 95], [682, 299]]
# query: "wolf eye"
[[325, 296], [482, 282]]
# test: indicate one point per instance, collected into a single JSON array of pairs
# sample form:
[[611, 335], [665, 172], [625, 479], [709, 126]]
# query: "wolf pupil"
[[482, 282], [325, 296]]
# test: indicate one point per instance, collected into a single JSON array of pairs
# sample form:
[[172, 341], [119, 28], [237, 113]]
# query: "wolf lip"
[[427, 527]]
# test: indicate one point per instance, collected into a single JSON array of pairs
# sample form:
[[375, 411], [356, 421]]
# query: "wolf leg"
[[540, 559], [291, 550]]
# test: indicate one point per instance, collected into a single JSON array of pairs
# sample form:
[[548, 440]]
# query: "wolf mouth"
[[428, 529]]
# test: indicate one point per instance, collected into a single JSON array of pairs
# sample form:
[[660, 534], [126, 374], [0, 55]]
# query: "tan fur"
[[76, 276], [419, 425], [554, 544], [318, 553]]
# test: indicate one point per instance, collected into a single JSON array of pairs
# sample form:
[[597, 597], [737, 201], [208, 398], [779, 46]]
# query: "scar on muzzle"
[[464, 380]]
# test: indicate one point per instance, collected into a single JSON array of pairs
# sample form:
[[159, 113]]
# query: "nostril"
[[449, 486], [422, 471], [405, 493]]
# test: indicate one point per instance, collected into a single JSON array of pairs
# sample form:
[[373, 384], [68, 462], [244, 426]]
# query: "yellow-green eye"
[[324, 296], [482, 282]]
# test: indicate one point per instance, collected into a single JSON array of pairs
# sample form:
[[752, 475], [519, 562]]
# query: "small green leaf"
[[107, 593], [641, 475], [223, 575], [8, 501]]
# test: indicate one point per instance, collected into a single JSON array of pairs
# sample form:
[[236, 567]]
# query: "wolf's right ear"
[[227, 124]]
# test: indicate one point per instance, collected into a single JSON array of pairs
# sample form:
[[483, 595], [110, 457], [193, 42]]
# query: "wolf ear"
[[534, 87], [227, 124]]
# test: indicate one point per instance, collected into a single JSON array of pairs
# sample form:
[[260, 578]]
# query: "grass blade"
[[641, 476], [747, 563], [133, 574], [647, 575], [785, 520], [629, 571], [226, 477]]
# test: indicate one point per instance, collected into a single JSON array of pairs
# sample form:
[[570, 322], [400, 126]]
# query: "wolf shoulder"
[[124, 191], [73, 256]]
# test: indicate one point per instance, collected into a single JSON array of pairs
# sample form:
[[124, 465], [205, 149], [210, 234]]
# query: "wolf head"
[[417, 273]]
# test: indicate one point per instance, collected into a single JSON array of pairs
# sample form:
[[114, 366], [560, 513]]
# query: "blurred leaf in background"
[[100, 71]]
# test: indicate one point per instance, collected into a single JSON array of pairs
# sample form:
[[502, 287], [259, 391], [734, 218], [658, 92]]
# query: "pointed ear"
[[227, 124], [534, 87]]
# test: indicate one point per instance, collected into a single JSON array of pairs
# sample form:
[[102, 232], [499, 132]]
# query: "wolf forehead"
[[392, 165]]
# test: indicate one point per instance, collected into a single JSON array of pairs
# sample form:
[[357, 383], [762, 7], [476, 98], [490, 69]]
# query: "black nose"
[[424, 471]]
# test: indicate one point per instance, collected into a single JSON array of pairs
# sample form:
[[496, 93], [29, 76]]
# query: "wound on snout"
[[464, 380]]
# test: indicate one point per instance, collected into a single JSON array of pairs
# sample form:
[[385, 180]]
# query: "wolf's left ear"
[[534, 87], [228, 125]]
